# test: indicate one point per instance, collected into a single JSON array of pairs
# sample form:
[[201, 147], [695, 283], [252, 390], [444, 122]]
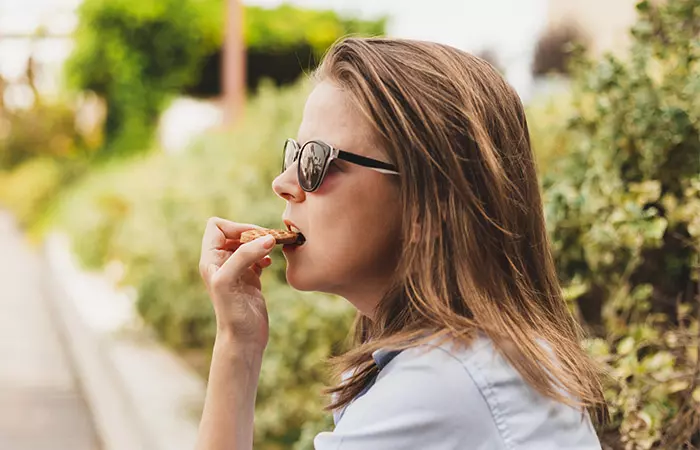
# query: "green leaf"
[[625, 346]]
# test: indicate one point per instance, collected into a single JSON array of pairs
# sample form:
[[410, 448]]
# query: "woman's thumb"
[[246, 255]]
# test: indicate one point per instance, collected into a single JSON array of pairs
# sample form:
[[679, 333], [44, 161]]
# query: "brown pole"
[[234, 70]]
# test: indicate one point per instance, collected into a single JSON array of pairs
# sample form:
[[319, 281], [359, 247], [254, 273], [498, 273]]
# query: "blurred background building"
[[603, 24]]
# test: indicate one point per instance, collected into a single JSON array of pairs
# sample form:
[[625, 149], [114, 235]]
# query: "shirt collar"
[[383, 356]]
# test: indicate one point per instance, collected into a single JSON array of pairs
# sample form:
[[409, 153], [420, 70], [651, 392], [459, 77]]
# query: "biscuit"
[[281, 236]]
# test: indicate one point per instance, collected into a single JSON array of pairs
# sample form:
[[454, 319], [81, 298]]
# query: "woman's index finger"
[[219, 231]]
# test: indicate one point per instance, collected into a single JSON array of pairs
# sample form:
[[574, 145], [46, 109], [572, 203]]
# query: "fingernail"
[[269, 241]]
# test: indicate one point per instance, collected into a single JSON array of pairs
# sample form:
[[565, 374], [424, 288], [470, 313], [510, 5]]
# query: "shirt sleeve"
[[439, 401]]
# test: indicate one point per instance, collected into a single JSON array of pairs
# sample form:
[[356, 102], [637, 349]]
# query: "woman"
[[429, 221]]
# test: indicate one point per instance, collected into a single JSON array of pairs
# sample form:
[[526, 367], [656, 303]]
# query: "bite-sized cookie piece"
[[281, 236]]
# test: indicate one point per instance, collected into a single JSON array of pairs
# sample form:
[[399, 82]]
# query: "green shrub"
[[549, 134], [623, 209]]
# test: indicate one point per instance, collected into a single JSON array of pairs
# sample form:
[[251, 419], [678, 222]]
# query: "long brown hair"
[[458, 135]]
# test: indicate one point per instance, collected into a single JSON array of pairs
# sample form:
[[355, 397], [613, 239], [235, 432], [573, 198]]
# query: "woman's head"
[[351, 221], [457, 240]]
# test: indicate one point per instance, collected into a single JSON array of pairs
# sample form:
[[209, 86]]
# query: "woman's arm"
[[227, 420], [231, 272]]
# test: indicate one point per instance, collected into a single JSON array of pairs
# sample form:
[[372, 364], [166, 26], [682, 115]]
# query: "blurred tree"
[[40, 129], [138, 54], [41, 150], [554, 50]]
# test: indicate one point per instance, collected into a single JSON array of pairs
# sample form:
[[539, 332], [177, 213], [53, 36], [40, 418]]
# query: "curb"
[[141, 395]]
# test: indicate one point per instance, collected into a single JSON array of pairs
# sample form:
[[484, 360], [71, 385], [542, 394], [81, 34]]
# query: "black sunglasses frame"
[[331, 153]]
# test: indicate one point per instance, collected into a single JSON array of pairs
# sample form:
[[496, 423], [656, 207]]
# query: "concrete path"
[[41, 407]]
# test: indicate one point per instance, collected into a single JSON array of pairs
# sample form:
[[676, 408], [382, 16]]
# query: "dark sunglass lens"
[[311, 163]]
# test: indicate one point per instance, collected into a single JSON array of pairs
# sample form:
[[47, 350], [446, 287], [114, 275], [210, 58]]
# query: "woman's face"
[[352, 221]]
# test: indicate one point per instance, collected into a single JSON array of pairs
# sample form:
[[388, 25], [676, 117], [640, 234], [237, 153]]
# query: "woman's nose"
[[286, 185]]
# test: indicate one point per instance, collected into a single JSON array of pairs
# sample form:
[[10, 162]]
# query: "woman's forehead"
[[330, 116]]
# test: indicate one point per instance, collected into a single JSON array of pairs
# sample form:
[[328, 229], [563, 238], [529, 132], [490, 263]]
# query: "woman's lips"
[[301, 239], [289, 248]]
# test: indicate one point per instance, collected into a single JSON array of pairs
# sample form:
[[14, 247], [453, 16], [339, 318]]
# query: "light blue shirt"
[[448, 397]]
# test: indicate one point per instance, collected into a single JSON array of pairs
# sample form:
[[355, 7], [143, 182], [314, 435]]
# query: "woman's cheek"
[[329, 183]]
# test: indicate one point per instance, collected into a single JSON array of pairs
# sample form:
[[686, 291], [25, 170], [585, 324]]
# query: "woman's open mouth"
[[301, 239], [290, 248]]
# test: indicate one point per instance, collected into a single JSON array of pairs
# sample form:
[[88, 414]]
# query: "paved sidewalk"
[[41, 407]]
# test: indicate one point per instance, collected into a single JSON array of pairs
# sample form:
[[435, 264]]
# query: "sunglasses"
[[316, 156]]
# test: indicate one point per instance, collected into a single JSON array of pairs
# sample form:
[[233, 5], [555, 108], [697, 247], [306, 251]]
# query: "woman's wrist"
[[230, 347]]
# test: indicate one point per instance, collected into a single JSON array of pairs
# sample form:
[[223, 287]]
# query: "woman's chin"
[[299, 281]]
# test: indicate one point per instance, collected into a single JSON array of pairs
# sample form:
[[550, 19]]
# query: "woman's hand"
[[231, 273]]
